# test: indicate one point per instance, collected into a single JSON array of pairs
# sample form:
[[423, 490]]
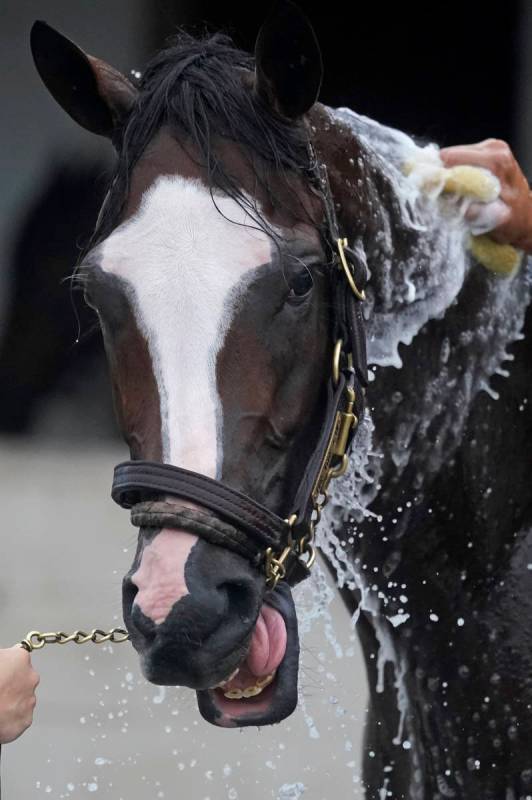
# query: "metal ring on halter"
[[337, 352], [361, 295]]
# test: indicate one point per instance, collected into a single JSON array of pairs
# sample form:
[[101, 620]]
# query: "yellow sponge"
[[481, 186], [467, 181], [502, 259]]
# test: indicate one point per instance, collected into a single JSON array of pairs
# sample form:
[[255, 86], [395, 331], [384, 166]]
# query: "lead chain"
[[306, 543], [35, 640]]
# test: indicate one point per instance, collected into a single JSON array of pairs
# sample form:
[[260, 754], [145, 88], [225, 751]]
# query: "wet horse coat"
[[438, 555], [441, 562]]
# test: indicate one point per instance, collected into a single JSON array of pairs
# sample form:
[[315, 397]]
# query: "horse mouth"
[[263, 689]]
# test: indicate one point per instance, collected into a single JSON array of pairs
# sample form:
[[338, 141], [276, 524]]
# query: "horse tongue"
[[268, 643], [267, 649]]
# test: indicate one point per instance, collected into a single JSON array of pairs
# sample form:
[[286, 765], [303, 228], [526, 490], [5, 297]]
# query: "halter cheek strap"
[[282, 548]]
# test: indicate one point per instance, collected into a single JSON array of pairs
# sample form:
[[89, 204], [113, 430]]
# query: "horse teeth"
[[252, 691], [234, 694], [227, 680], [264, 682], [249, 691]]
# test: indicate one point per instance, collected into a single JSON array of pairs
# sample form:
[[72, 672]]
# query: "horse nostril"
[[129, 592], [243, 598], [133, 614]]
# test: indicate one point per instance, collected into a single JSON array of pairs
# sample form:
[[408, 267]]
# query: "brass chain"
[[302, 548], [36, 640]]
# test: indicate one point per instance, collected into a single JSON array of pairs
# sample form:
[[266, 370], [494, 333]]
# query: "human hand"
[[18, 681], [513, 224]]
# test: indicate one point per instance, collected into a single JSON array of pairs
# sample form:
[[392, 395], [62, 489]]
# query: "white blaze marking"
[[186, 266]]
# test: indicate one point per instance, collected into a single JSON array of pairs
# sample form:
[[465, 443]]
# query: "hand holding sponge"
[[480, 187]]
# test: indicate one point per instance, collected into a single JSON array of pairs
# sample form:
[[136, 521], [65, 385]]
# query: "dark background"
[[446, 71], [450, 72]]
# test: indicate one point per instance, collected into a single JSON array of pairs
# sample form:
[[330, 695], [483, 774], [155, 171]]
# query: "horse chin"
[[278, 699]]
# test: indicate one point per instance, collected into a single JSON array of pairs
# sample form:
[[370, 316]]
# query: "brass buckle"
[[344, 422], [361, 295], [275, 567]]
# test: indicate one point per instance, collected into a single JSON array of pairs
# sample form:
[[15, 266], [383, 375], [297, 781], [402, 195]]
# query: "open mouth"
[[240, 651], [263, 690]]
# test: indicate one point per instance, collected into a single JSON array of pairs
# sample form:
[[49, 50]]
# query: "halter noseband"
[[282, 548]]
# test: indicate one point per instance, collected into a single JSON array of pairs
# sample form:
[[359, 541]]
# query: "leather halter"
[[282, 548]]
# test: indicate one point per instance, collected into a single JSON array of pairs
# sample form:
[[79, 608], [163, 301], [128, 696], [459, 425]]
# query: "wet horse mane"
[[202, 89]]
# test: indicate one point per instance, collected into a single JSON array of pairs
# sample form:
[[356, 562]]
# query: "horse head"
[[211, 277]]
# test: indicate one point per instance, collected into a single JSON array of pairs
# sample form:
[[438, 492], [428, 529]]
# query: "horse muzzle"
[[204, 632]]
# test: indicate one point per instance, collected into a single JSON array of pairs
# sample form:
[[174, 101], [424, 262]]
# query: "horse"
[[231, 316]]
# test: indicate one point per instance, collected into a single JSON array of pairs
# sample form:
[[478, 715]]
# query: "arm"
[[18, 681], [495, 155]]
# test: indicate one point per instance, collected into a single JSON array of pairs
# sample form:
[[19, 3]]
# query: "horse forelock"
[[202, 91]]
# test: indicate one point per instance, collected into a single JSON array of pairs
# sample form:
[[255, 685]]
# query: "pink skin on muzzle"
[[160, 577]]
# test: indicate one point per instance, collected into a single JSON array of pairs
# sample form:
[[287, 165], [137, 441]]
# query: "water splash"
[[291, 791]]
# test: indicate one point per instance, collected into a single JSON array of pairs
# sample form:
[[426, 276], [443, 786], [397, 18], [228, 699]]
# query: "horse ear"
[[289, 68], [95, 95]]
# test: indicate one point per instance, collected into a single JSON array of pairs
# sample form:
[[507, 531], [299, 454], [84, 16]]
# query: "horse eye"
[[301, 284]]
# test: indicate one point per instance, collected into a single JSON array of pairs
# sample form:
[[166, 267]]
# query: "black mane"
[[197, 87]]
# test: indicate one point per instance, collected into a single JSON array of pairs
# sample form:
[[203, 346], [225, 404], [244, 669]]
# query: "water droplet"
[[291, 791], [526, 776]]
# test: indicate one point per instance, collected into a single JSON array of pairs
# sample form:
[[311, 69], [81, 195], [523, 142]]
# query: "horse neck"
[[438, 481], [439, 326]]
